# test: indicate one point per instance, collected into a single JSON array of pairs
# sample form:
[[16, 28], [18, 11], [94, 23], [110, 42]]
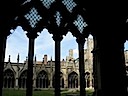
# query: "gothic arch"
[[73, 80], [22, 79], [42, 80], [22, 70], [9, 79], [42, 69], [61, 80], [10, 68], [87, 78], [73, 72]]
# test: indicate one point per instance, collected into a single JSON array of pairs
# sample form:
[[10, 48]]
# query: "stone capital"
[[57, 37], [32, 35], [80, 40]]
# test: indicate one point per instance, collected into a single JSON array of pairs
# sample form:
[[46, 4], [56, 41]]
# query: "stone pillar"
[[34, 73], [90, 80], [17, 72], [17, 77], [3, 39], [112, 67], [66, 77], [16, 83], [29, 90], [81, 42], [51, 74], [96, 68], [34, 78], [57, 39]]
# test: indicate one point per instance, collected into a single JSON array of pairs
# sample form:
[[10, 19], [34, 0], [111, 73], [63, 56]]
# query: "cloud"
[[17, 42], [44, 44], [126, 45], [68, 42], [68, 37]]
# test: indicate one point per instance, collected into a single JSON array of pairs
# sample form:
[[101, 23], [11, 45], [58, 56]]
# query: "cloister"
[[105, 20]]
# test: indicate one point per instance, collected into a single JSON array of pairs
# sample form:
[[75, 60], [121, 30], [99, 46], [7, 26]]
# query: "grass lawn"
[[11, 92]]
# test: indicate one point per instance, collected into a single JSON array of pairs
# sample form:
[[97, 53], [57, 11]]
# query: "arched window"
[[87, 78], [61, 81], [42, 80], [23, 79], [73, 80], [9, 79]]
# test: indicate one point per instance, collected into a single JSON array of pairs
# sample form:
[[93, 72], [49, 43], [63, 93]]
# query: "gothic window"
[[23, 79], [42, 80], [9, 79], [61, 81], [87, 78], [73, 80]]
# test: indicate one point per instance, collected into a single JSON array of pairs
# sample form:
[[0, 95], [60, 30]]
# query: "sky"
[[17, 43]]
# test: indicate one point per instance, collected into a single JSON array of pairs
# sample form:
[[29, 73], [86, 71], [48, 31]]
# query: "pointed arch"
[[61, 80], [87, 78], [73, 80], [42, 80], [22, 79], [9, 79]]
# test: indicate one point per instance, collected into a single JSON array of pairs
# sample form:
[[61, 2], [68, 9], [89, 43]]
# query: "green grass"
[[12, 92]]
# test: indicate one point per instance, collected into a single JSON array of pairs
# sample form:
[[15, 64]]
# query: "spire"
[[51, 58], [35, 58], [9, 58], [18, 58], [26, 58]]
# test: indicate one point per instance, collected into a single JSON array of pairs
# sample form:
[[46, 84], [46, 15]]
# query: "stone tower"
[[89, 55], [89, 62]]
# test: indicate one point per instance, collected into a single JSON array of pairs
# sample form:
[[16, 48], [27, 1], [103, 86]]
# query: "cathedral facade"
[[15, 73]]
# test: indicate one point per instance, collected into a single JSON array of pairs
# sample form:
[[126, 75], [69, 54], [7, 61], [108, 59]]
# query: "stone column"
[[17, 77], [90, 85], [34, 82], [112, 67], [16, 83], [81, 42], [51, 74], [34, 74], [66, 77], [29, 90], [96, 68], [57, 39], [3, 38]]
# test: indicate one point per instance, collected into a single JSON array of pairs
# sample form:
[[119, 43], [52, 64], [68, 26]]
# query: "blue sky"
[[17, 42]]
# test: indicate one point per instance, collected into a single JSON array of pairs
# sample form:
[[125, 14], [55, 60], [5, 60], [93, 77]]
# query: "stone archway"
[[9, 79], [23, 79], [73, 80], [61, 81], [42, 80], [87, 78]]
